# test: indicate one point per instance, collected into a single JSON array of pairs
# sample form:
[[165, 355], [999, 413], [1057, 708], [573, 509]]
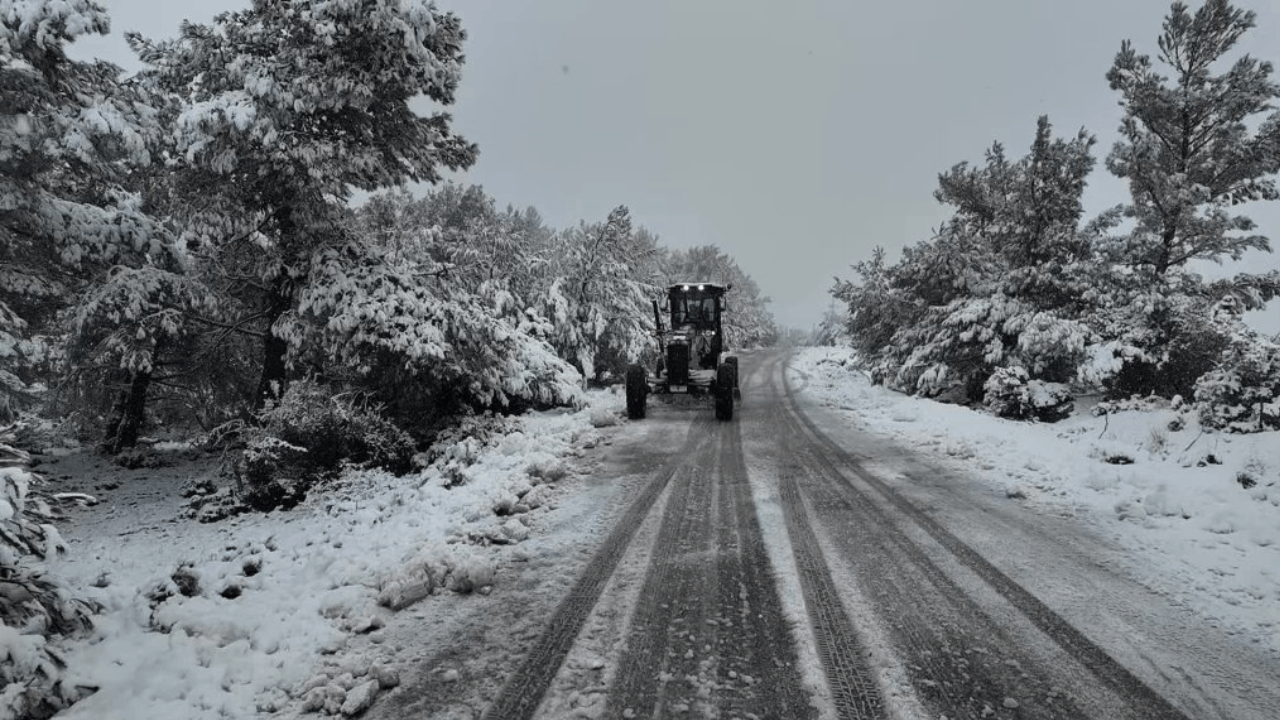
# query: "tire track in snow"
[[853, 689], [662, 644], [524, 690], [748, 588], [943, 639], [939, 666], [708, 636]]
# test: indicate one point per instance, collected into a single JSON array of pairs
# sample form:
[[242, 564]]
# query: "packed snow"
[[288, 611], [1198, 510]]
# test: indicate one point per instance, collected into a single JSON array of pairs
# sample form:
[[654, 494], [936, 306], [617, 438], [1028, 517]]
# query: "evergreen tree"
[[67, 139], [598, 300], [278, 111], [1195, 143], [72, 142], [878, 307], [434, 312], [1000, 285]]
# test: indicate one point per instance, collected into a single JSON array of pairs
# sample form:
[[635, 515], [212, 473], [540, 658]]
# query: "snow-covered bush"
[[1009, 393], [463, 442], [34, 610], [1242, 394], [309, 436], [1157, 343], [382, 314]]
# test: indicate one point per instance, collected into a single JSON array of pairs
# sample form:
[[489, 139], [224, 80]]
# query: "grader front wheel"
[[725, 376], [637, 392]]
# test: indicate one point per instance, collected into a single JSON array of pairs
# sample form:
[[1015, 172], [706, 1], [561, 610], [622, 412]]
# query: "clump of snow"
[[1199, 509], [260, 612], [602, 417]]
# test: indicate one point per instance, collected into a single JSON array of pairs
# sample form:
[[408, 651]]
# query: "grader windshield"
[[696, 306]]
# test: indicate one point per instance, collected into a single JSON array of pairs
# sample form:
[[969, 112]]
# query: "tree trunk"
[[1164, 259], [271, 383], [129, 412]]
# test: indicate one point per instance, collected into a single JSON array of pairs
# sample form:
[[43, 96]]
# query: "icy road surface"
[[785, 565]]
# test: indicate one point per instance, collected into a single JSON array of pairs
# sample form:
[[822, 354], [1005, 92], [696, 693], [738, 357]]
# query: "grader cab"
[[693, 360]]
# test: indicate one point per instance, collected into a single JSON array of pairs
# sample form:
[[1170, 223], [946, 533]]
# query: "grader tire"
[[725, 376], [637, 392], [737, 389]]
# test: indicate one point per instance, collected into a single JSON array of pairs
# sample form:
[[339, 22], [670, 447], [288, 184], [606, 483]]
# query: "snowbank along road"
[[787, 566]]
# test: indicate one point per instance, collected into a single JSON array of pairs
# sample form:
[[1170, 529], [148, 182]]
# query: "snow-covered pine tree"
[[1000, 285], [831, 331], [383, 316], [1193, 146], [877, 308], [128, 331], [69, 135], [430, 312], [493, 253], [72, 140], [598, 299], [279, 111]]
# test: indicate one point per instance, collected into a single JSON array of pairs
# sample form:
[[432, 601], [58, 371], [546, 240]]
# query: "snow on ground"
[[1172, 495], [236, 618]]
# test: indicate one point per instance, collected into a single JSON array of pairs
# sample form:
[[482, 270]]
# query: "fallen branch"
[[1193, 441]]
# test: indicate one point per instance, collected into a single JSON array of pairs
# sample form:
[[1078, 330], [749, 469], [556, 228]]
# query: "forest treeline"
[[1017, 303]]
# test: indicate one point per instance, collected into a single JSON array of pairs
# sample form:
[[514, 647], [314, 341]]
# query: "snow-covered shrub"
[[1157, 441], [1184, 352], [1009, 393], [443, 348], [1242, 394], [209, 504], [1149, 403], [34, 610], [462, 442], [309, 436]]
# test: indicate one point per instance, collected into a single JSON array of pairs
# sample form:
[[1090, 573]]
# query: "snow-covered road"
[[789, 565], [984, 607]]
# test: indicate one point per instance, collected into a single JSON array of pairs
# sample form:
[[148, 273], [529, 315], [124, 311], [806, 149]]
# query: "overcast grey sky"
[[796, 136]]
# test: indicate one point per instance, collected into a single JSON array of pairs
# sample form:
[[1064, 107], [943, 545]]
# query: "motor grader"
[[693, 359]]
